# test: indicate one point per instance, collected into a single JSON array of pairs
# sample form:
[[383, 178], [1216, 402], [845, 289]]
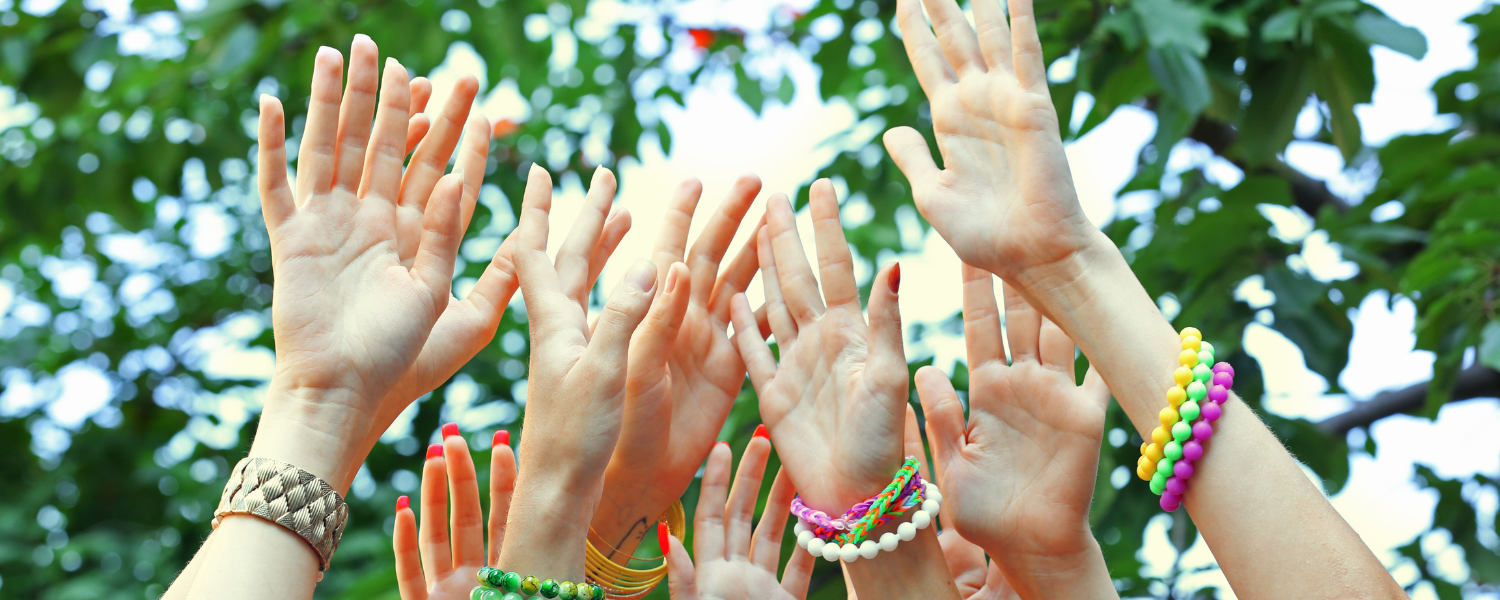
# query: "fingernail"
[[391, 63], [361, 36], [450, 429], [327, 52], [642, 275], [459, 173], [402, 503], [434, 451], [661, 536], [760, 431], [671, 280], [722, 443], [896, 279], [502, 438]]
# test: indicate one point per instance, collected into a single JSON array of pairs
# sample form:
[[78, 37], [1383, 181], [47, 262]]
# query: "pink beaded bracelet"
[[1182, 471]]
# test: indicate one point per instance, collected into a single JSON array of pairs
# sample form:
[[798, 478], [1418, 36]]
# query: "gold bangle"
[[621, 582]]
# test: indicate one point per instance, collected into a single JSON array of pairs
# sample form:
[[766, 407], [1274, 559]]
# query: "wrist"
[[549, 519], [318, 431], [627, 513], [1079, 574]]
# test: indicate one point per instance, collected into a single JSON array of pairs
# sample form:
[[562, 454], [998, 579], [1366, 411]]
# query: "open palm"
[[1019, 477], [834, 403], [1004, 198]]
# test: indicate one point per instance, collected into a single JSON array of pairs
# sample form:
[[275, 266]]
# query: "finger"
[[912, 444], [671, 242], [431, 158], [993, 32], [356, 113], [708, 521], [708, 250], [955, 36], [473, 152], [777, 315], [440, 239], [910, 152], [1056, 349], [276, 201], [798, 574], [421, 91], [765, 550], [945, 415], [609, 348], [616, 225], [653, 343], [760, 321], [572, 258], [545, 302], [735, 279], [1026, 47], [408, 559], [835, 263], [1023, 325], [315, 157], [416, 130], [887, 360], [492, 293], [740, 511], [981, 318], [922, 48], [502, 485], [466, 524], [437, 557], [383, 162], [682, 577], [759, 362], [798, 286]]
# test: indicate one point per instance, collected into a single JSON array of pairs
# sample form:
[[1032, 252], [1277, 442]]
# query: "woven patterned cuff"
[[286, 495]]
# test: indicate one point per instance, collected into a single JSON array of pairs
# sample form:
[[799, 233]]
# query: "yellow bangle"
[[622, 582]]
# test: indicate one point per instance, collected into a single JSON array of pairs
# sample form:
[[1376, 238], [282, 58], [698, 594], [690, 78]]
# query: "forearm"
[[247, 557], [1272, 532], [1083, 575], [916, 569]]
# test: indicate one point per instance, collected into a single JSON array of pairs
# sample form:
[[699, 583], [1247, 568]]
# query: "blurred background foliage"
[[132, 250]]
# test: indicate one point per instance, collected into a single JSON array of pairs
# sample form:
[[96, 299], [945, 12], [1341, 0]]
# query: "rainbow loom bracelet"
[[1193, 404], [907, 491]]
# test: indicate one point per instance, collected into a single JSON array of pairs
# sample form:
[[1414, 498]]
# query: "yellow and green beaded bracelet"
[[495, 582], [1160, 453]]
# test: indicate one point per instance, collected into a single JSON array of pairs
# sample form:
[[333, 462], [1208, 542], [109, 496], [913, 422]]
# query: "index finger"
[[835, 263], [798, 286]]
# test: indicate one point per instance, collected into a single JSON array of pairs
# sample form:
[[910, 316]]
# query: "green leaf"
[[786, 91], [1281, 27], [1278, 93], [1489, 345], [1376, 28], [749, 89], [1181, 76], [1173, 23], [666, 138]]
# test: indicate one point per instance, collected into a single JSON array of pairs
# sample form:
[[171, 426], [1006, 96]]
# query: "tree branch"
[[1308, 193], [1477, 381]]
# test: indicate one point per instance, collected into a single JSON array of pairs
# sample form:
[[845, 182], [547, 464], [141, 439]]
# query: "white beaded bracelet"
[[905, 532]]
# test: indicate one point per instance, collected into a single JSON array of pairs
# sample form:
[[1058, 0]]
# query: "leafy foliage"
[[136, 155]]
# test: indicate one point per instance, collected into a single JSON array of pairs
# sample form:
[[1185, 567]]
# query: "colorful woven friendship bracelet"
[[494, 582], [906, 491], [1194, 403]]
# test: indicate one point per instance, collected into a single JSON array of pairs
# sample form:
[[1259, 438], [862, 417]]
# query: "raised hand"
[[731, 564], [1018, 478], [576, 388], [438, 559], [684, 373], [834, 402], [350, 317], [1004, 198]]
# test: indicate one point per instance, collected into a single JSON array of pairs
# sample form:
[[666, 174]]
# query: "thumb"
[[887, 353], [628, 303], [440, 239], [945, 415], [910, 152], [682, 578]]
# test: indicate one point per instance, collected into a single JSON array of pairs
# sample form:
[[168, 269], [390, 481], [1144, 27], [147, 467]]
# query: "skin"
[[1004, 200], [834, 402], [731, 563], [686, 379], [576, 395], [1029, 421], [437, 559]]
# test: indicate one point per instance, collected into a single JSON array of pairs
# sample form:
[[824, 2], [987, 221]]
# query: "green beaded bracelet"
[[516, 587]]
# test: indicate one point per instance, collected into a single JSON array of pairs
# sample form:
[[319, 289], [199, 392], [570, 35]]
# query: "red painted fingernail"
[[760, 431], [502, 438], [450, 429], [434, 451], [402, 503], [896, 278], [722, 443], [661, 537]]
